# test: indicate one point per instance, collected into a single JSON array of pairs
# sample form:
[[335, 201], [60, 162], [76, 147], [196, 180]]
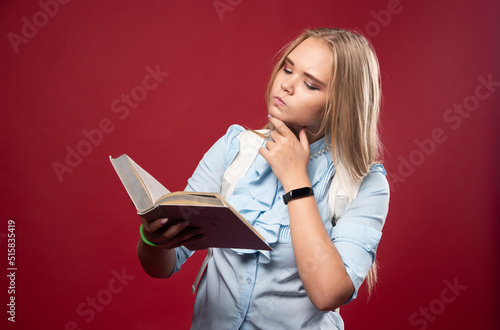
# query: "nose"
[[288, 85]]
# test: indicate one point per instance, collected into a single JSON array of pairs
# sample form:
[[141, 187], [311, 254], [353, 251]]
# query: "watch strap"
[[297, 193]]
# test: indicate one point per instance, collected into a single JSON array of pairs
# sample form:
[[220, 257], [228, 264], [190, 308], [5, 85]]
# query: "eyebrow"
[[308, 75]]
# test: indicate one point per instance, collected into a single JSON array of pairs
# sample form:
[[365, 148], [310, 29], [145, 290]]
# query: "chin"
[[275, 111]]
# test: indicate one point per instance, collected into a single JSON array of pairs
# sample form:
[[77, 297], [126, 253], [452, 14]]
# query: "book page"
[[132, 182], [192, 198], [155, 189]]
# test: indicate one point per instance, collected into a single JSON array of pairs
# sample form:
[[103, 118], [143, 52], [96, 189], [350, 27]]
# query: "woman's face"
[[298, 94]]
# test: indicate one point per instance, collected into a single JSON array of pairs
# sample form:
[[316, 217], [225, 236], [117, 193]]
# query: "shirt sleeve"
[[357, 233], [207, 176]]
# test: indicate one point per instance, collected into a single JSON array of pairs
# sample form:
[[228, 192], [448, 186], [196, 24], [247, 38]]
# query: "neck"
[[311, 137]]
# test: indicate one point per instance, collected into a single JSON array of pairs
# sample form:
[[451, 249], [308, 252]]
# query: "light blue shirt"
[[260, 290]]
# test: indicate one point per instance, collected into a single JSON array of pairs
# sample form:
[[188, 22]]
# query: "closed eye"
[[317, 82], [311, 87]]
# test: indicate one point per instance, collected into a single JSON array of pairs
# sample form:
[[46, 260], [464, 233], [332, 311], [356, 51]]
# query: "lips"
[[279, 101]]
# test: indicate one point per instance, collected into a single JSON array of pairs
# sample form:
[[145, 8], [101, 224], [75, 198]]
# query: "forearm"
[[320, 266], [157, 262]]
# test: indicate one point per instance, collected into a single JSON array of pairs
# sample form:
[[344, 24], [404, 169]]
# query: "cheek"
[[316, 105], [317, 111]]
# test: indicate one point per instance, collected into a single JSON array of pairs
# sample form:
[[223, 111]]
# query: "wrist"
[[297, 194], [296, 184], [144, 238]]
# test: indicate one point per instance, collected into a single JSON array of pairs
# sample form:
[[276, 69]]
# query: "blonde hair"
[[353, 103]]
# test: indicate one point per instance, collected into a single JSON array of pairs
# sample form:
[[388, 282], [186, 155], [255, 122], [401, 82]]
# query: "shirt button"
[[249, 280]]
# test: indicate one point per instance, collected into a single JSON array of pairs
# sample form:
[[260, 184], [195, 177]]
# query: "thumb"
[[303, 139]]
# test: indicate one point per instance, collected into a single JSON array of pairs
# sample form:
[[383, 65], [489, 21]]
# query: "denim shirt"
[[247, 289]]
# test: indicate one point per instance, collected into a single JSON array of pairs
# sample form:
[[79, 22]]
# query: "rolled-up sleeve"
[[357, 233]]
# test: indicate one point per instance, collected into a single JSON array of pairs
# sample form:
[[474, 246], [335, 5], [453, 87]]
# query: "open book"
[[223, 226]]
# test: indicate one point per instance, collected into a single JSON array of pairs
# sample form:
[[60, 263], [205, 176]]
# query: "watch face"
[[302, 192], [297, 193]]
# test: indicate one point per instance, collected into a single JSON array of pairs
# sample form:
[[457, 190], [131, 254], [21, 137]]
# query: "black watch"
[[297, 193]]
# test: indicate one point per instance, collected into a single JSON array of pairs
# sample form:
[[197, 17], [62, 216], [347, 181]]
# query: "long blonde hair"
[[353, 103]]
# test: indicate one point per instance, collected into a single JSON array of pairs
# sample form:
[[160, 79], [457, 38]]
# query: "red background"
[[74, 232]]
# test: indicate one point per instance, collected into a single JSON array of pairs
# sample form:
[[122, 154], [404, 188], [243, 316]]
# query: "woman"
[[323, 103]]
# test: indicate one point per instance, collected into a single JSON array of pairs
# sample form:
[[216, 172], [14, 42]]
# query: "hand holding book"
[[168, 235], [212, 221]]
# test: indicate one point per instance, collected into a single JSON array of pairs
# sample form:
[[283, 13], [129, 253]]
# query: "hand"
[[170, 236], [288, 156]]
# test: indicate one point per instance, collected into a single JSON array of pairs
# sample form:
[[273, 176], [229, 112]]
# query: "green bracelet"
[[144, 239]]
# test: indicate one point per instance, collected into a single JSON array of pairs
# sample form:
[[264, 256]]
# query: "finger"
[[181, 237], [172, 231], [158, 236], [191, 239], [269, 144], [275, 136], [152, 226], [303, 139], [282, 128], [264, 153]]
